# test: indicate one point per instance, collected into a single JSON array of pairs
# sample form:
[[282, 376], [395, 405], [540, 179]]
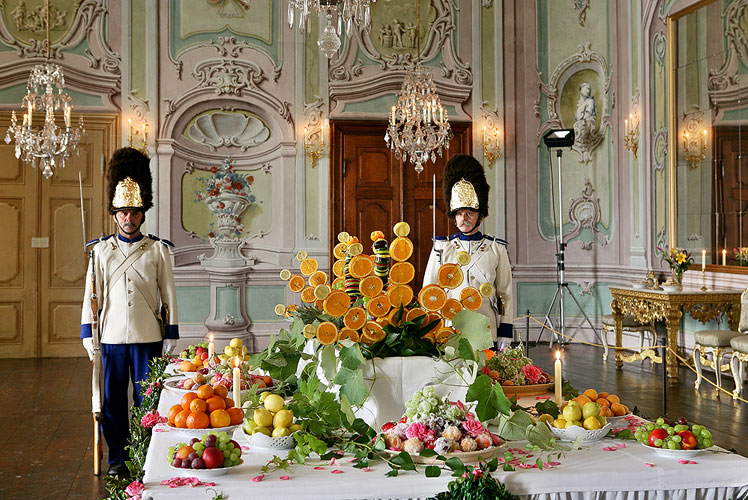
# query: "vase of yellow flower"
[[741, 256], [679, 260]]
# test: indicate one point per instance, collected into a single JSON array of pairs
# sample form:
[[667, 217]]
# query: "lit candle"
[[441, 114], [67, 116], [25, 119], [497, 138], [433, 206], [557, 378], [237, 383], [392, 119], [30, 111], [724, 257], [129, 131], [211, 349], [626, 127], [145, 134], [484, 134], [703, 259]]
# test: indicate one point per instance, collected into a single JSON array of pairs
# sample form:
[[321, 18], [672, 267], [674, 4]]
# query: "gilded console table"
[[650, 305]]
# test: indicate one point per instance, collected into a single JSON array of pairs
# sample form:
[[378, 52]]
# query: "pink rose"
[[473, 427], [459, 404], [151, 418], [416, 430], [134, 490], [532, 373]]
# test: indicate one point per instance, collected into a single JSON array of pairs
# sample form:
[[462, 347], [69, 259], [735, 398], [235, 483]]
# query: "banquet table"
[[620, 472]]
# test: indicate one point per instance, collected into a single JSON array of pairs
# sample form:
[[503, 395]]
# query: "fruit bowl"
[[526, 390], [260, 440], [469, 456], [200, 432], [204, 473], [667, 452], [575, 431], [171, 385]]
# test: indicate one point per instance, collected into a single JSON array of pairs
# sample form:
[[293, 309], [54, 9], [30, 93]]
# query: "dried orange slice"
[[307, 295], [432, 297], [463, 258], [429, 336], [451, 307], [322, 291], [302, 255], [338, 282], [296, 283], [470, 298], [318, 278], [401, 249], [400, 295], [355, 318], [442, 335], [352, 239], [401, 229], [402, 273], [434, 316], [337, 303], [415, 313], [372, 332], [371, 286], [360, 266], [319, 304], [449, 276], [285, 274], [309, 331], [348, 334], [378, 306], [392, 318], [327, 333], [308, 266], [376, 235], [343, 236], [338, 269], [280, 309], [355, 249], [486, 290], [339, 250], [290, 308]]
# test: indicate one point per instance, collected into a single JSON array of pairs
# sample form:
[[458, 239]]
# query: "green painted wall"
[[193, 304], [537, 298], [262, 299]]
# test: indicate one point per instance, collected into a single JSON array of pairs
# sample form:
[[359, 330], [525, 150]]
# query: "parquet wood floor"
[[46, 438]]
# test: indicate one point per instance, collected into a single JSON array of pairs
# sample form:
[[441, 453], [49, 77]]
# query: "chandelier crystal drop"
[[329, 42], [419, 127], [352, 12]]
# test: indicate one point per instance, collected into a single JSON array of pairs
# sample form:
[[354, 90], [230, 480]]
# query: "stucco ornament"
[[726, 86], [217, 128], [584, 213], [579, 97]]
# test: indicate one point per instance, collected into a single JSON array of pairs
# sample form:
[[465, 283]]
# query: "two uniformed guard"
[[466, 196], [136, 297]]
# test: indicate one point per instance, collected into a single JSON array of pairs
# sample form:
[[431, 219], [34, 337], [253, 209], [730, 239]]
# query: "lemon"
[[559, 423], [322, 291], [280, 309], [355, 249], [274, 403], [572, 412], [603, 421], [263, 395], [293, 428], [486, 289], [280, 432], [235, 343], [573, 422], [302, 255], [343, 237], [284, 418], [591, 423], [401, 229], [250, 426], [262, 430], [463, 258], [229, 351], [309, 331], [590, 410], [545, 418], [263, 417], [285, 274]]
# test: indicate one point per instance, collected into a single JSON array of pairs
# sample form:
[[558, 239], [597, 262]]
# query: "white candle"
[[25, 119], [325, 128], [237, 383], [703, 259], [557, 378], [129, 131], [67, 116], [724, 257], [484, 134], [433, 207], [497, 138], [211, 349], [30, 111], [392, 119]]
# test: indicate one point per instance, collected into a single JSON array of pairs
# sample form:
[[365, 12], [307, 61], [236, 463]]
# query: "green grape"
[[696, 429], [660, 421], [649, 426], [226, 453], [658, 443], [677, 446], [708, 443], [672, 445], [199, 453], [677, 439], [224, 437], [670, 431], [706, 434], [221, 446], [680, 428], [198, 446], [638, 434]]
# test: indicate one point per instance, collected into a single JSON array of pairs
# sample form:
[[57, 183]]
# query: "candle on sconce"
[[67, 115], [497, 137], [557, 378], [325, 128], [25, 119], [30, 112], [237, 384], [724, 256], [703, 259], [129, 131], [211, 349], [441, 114], [433, 206], [626, 127], [484, 134], [392, 119]]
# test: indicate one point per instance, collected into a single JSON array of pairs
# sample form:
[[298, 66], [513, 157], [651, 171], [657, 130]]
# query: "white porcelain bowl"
[[260, 440], [667, 452], [571, 433], [204, 473], [200, 432]]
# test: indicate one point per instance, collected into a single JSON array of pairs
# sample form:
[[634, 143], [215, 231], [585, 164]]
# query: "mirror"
[[708, 124]]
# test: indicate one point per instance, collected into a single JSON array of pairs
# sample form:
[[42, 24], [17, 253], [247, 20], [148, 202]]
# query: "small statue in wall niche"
[[586, 113]]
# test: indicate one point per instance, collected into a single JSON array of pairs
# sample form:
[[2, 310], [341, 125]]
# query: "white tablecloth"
[[589, 473]]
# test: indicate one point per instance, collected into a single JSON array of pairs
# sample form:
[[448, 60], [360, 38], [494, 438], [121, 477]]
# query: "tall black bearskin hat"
[[465, 185], [129, 181]]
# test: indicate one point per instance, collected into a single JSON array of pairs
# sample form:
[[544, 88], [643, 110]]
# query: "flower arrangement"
[[678, 258], [510, 366], [228, 194], [741, 256]]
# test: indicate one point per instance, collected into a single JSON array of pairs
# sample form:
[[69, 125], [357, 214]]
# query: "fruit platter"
[[577, 421], [271, 425], [610, 404], [516, 373], [446, 427], [196, 358], [676, 441], [206, 408], [216, 378], [212, 454]]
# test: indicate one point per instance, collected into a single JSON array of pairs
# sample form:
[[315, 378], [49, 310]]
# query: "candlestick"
[[325, 127], [237, 383], [484, 134], [393, 115], [497, 138], [703, 259], [433, 207], [625, 127], [30, 111], [724, 257], [25, 119], [557, 378], [211, 349]]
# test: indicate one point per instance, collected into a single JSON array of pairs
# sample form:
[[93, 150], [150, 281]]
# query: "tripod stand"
[[561, 285]]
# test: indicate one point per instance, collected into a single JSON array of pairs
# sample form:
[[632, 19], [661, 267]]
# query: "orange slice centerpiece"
[[318, 278], [414, 314], [355, 318], [337, 303], [372, 332], [338, 269], [296, 283], [401, 249], [402, 273], [432, 297], [400, 295], [348, 334], [442, 335], [451, 307], [308, 266], [339, 250], [360, 266], [470, 298], [290, 309], [371, 286], [307, 295], [378, 306], [449, 276], [327, 333]]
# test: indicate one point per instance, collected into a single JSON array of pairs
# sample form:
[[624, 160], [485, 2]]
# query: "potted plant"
[[679, 260]]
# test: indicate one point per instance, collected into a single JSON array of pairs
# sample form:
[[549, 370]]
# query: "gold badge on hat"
[[127, 195], [463, 196]]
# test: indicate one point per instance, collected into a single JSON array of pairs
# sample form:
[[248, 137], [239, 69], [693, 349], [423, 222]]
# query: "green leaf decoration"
[[539, 434], [456, 465], [426, 452], [491, 398], [351, 357], [345, 407], [474, 327], [548, 406], [392, 473], [328, 362], [465, 350], [433, 471], [352, 385], [539, 463], [404, 461], [514, 427]]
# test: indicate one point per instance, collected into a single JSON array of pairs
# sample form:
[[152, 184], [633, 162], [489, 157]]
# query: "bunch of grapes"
[[195, 455], [425, 404], [681, 436], [191, 351], [509, 363]]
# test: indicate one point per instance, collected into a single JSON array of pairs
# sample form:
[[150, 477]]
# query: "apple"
[[204, 356], [212, 457], [655, 435], [688, 440]]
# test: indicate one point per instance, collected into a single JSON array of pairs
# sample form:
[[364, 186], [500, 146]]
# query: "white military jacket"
[[130, 299], [489, 263]]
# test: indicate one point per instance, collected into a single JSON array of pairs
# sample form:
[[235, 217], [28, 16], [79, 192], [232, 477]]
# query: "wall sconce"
[[138, 131], [631, 133], [314, 142], [695, 148], [491, 146]]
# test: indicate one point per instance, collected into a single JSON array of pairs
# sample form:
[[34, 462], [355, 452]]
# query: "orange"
[[370, 286], [181, 419], [319, 304], [229, 402], [290, 308], [186, 366], [187, 399], [173, 411], [338, 269], [198, 405], [352, 239], [470, 298], [327, 333], [337, 282], [602, 394], [221, 390], [184, 452], [376, 235], [414, 313], [402, 273], [307, 295], [449, 276], [339, 250], [602, 402], [198, 420], [618, 409], [582, 399], [205, 391], [392, 318], [432, 297], [355, 318], [443, 334], [219, 418], [236, 415], [606, 412], [318, 278], [372, 332], [360, 266], [308, 266], [337, 303], [451, 307], [400, 295], [613, 398], [401, 249], [296, 283], [347, 333], [429, 336], [378, 306], [215, 403], [591, 394]]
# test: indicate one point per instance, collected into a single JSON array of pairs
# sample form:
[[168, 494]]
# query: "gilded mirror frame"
[[672, 125]]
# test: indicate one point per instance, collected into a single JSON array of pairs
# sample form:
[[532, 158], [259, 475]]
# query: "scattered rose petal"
[[620, 445], [366, 469], [339, 453], [553, 464], [318, 468], [284, 478], [647, 464], [257, 479], [336, 471], [245, 448], [352, 459], [686, 462], [615, 430], [184, 481], [610, 448], [334, 461], [542, 397]]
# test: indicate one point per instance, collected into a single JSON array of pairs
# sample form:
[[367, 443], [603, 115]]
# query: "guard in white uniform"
[[136, 297], [466, 196]]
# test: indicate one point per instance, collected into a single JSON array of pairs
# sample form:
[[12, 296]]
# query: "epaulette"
[[96, 240], [489, 238], [440, 238], [162, 240], [501, 242], [453, 236]]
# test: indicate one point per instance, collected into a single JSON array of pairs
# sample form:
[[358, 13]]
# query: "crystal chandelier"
[[419, 126], [351, 11], [49, 146]]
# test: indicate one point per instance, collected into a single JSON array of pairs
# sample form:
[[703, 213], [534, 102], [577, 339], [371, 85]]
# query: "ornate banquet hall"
[[298, 155]]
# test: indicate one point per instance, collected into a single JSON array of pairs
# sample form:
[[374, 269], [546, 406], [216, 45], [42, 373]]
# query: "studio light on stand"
[[558, 139]]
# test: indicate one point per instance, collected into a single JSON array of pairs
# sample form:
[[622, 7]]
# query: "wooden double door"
[[43, 266], [372, 190], [730, 190]]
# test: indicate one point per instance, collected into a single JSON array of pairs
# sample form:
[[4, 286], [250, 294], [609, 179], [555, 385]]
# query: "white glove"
[[88, 346], [169, 346]]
